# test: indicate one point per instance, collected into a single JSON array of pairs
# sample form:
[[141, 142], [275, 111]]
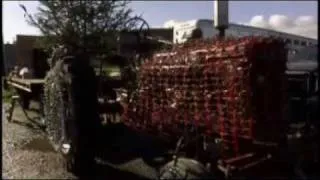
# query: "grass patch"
[[107, 70], [7, 94]]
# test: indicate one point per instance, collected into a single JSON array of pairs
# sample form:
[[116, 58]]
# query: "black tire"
[[70, 101], [58, 104], [80, 105], [85, 103]]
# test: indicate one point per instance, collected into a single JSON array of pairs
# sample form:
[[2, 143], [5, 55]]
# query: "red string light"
[[188, 83]]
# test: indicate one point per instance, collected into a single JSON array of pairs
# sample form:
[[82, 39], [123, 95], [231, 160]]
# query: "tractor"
[[219, 106]]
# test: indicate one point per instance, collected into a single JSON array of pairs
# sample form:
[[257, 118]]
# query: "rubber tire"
[[86, 99], [69, 163], [82, 99]]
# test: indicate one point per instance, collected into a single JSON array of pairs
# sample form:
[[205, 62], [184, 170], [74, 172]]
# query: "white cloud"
[[280, 21], [259, 21], [302, 25]]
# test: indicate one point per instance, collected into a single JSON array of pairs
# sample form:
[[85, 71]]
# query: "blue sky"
[[156, 12], [288, 16]]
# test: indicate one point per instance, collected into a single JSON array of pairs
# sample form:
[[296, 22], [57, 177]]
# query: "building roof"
[[28, 40], [270, 30], [194, 22]]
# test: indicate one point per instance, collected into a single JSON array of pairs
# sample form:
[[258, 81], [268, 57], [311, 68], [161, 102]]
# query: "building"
[[25, 46], [183, 30], [128, 40], [26, 52], [9, 56]]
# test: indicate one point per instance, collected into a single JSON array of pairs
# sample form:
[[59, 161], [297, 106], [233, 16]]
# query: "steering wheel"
[[140, 26]]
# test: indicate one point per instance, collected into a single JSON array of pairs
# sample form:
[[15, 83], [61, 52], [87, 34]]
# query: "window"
[[296, 42], [303, 43], [310, 43], [288, 41], [184, 36], [177, 33], [307, 54], [177, 40]]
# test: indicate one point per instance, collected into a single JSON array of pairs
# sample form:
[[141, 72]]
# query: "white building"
[[183, 30]]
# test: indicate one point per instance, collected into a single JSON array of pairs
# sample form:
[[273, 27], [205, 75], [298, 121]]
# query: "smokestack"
[[221, 16]]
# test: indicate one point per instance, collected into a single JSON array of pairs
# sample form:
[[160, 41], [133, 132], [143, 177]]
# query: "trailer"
[[25, 91], [30, 88]]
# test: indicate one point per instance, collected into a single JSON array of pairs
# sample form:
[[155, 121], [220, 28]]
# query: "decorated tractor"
[[224, 101], [220, 105], [224, 104]]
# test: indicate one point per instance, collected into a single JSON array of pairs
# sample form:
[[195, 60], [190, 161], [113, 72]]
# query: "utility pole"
[[2, 51], [221, 16]]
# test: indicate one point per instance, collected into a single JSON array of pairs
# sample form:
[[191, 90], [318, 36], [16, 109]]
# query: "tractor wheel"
[[59, 112], [70, 101]]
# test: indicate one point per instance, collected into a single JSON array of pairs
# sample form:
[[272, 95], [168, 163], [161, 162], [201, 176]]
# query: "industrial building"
[[26, 52], [182, 32]]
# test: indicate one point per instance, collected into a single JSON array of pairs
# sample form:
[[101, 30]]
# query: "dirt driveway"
[[26, 152]]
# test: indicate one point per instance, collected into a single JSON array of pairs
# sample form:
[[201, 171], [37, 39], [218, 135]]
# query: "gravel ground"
[[26, 153]]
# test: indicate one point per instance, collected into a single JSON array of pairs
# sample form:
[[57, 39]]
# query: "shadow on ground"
[[121, 152], [124, 153], [118, 139], [104, 171]]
